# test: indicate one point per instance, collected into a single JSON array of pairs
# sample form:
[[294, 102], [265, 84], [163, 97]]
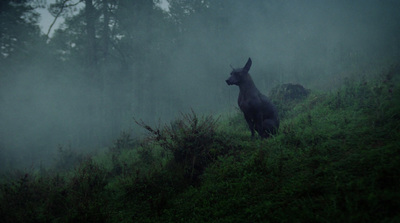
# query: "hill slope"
[[336, 158]]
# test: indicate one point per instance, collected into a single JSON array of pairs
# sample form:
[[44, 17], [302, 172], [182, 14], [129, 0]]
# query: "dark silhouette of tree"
[[18, 27], [90, 17]]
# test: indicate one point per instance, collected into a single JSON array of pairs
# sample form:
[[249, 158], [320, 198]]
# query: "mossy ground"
[[336, 158]]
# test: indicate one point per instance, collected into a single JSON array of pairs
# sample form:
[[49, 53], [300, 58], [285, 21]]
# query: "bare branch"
[[63, 6]]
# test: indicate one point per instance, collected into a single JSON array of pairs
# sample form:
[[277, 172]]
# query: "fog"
[[318, 44]]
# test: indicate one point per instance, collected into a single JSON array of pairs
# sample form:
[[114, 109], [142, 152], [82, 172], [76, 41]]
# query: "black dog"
[[259, 113]]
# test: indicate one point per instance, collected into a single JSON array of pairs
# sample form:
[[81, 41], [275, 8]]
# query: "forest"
[[122, 114]]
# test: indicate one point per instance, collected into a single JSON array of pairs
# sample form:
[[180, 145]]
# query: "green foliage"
[[335, 158], [192, 141], [286, 96], [327, 164]]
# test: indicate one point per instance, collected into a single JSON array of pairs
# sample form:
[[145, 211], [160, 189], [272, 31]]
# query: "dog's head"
[[240, 74]]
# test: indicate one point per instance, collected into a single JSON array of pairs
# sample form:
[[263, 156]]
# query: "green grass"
[[336, 158]]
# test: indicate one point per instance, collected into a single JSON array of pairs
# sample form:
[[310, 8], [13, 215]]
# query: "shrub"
[[191, 140]]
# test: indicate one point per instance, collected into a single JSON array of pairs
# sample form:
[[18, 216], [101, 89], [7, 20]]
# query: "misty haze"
[[110, 63], [82, 89]]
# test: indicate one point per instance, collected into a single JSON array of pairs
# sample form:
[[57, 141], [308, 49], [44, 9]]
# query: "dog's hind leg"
[[269, 127]]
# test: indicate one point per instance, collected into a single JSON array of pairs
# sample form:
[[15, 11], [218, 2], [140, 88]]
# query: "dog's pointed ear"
[[248, 65]]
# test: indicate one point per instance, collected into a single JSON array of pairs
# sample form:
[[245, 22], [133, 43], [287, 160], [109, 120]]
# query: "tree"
[[21, 43], [90, 17], [18, 28], [25, 62], [106, 29]]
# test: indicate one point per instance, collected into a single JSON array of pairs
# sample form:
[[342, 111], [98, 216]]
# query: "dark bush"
[[191, 142], [286, 96]]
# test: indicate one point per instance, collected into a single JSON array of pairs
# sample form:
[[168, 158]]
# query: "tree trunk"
[[91, 35], [106, 29]]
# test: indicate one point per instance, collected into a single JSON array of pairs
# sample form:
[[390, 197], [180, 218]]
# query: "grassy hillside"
[[336, 158]]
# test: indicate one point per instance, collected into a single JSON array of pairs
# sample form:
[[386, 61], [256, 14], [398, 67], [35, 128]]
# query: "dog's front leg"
[[250, 124]]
